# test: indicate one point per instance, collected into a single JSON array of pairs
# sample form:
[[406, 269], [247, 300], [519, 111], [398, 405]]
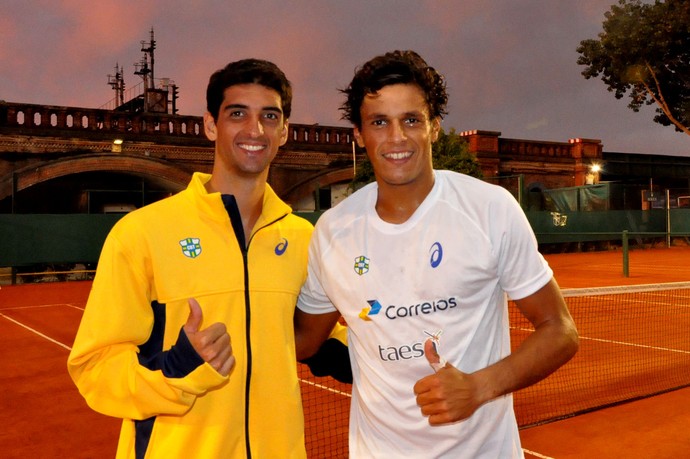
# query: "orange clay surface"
[[43, 415]]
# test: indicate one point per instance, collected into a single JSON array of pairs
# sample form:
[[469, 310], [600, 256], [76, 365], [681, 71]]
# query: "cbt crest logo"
[[361, 265], [191, 247]]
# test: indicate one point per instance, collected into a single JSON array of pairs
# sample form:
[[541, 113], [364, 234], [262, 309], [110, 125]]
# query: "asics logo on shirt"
[[436, 252], [281, 247]]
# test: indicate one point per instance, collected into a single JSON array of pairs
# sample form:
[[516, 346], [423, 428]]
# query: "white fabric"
[[484, 248]]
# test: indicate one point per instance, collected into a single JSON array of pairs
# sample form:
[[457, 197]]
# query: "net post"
[[626, 259], [668, 219]]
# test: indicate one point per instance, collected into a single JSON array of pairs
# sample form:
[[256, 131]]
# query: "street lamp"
[[592, 177], [117, 146]]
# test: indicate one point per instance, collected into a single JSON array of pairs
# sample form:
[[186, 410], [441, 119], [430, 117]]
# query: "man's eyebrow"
[[269, 108], [273, 108], [234, 106], [417, 113], [376, 115], [372, 116]]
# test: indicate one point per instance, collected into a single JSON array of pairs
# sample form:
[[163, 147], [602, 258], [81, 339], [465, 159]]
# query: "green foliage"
[[449, 152], [644, 52], [364, 173], [452, 153]]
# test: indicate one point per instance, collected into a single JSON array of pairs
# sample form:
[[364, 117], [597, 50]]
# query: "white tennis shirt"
[[445, 272]]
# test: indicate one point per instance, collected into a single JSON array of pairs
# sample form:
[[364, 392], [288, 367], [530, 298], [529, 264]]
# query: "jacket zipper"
[[236, 222]]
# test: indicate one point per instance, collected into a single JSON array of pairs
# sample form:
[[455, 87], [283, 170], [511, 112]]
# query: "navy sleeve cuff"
[[332, 359], [181, 359]]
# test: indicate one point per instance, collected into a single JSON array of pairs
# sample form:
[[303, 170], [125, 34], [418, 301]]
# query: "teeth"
[[252, 147], [403, 155]]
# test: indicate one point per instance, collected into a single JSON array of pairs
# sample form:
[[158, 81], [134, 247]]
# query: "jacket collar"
[[211, 204]]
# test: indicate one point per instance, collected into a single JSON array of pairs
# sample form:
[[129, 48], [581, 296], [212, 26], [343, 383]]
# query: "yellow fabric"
[[200, 414], [339, 332]]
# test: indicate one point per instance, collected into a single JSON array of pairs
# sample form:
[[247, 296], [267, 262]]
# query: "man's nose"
[[397, 131], [255, 127]]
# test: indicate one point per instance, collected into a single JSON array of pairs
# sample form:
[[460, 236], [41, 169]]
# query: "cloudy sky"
[[510, 64]]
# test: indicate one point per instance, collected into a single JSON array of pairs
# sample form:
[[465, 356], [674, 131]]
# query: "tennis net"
[[634, 343]]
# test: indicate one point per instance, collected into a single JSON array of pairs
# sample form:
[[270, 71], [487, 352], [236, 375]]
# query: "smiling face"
[[248, 132], [397, 133]]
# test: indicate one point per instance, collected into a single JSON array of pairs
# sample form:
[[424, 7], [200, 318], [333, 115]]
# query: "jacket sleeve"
[[333, 357], [104, 361]]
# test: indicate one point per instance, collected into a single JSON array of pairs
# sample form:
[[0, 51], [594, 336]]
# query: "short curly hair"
[[246, 71], [395, 67]]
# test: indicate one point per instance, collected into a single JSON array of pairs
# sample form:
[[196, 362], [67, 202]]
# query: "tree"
[[452, 153], [644, 51], [449, 152]]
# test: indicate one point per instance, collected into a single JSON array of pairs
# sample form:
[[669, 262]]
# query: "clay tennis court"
[[43, 415]]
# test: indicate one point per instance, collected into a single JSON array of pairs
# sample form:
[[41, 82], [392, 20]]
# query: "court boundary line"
[[32, 330], [48, 338], [533, 453], [16, 308], [610, 341], [321, 386]]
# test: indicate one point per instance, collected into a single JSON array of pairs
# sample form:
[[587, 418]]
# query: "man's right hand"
[[212, 343]]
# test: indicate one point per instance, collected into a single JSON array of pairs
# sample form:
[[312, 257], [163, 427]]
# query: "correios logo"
[[394, 312], [371, 310]]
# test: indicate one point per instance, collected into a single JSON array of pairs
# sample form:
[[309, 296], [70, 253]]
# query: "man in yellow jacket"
[[180, 279]]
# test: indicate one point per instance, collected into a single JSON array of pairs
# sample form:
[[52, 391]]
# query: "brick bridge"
[[40, 143]]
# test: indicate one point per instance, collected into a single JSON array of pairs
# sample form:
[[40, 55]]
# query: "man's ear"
[[210, 127], [284, 133], [358, 137], [435, 129]]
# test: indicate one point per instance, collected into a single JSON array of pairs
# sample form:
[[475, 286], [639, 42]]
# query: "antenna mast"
[[149, 51], [117, 82], [142, 68]]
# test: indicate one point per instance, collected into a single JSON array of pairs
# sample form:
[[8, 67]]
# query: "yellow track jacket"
[[132, 360]]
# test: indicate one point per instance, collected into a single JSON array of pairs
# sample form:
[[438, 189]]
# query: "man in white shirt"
[[419, 264]]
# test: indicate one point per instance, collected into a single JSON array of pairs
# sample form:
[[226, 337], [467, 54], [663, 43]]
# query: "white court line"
[[680, 351], [320, 386], [622, 343], [541, 456], [329, 389], [17, 308], [36, 332]]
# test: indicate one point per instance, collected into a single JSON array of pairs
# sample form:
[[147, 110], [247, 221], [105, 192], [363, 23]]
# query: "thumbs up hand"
[[211, 343], [431, 352], [448, 395]]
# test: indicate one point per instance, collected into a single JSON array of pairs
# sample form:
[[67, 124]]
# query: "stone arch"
[[536, 187], [535, 196], [306, 187], [134, 165]]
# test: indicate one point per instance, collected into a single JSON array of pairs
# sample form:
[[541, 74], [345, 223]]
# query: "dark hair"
[[393, 68], [247, 71]]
